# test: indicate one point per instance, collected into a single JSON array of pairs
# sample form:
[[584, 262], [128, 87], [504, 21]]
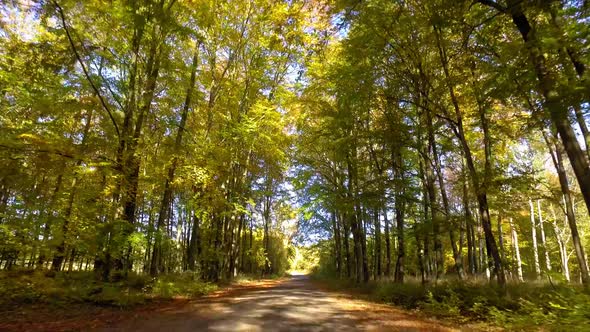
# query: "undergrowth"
[[522, 306], [63, 289]]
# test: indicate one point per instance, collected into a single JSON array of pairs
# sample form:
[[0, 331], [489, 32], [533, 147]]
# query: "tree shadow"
[[293, 305]]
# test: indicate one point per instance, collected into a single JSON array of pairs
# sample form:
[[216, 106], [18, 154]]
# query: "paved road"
[[291, 305]]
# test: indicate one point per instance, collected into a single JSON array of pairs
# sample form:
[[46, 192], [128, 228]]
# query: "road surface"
[[294, 304]]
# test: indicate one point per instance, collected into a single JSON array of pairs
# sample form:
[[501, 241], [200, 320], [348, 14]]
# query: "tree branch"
[[94, 88], [493, 4], [49, 150]]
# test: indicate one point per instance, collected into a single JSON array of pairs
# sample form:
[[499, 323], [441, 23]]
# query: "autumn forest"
[[431, 154]]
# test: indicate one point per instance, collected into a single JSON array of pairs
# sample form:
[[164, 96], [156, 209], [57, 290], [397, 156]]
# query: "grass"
[[522, 306], [34, 287]]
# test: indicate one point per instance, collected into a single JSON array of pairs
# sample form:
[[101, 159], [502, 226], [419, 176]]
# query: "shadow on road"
[[292, 305]]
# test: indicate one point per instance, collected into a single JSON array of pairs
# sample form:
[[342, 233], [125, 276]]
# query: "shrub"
[[27, 287], [408, 295], [518, 306]]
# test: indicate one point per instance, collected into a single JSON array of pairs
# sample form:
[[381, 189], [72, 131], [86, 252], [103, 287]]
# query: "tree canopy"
[[409, 139]]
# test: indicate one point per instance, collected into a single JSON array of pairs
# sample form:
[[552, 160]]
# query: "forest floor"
[[288, 304]]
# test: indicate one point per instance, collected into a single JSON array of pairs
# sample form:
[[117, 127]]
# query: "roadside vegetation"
[[26, 287], [536, 305]]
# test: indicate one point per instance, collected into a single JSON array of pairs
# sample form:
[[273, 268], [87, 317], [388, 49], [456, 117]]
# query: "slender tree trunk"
[[543, 242], [231, 261], [534, 239], [150, 242], [358, 251], [420, 257], [399, 206], [562, 246], [345, 236], [356, 219], [250, 244], [192, 256], [501, 239], [243, 246], [336, 237], [266, 240], [471, 259], [516, 251], [436, 219], [238, 246], [471, 248], [426, 225], [73, 254], [214, 261], [401, 247], [483, 254], [363, 226], [378, 271], [387, 243]]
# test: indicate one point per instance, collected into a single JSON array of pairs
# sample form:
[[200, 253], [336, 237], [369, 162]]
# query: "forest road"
[[294, 304]]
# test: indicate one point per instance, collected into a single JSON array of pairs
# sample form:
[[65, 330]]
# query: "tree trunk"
[[481, 190], [420, 255], [543, 242], [347, 255], [399, 206], [356, 219], [167, 196], [266, 240], [130, 162], [501, 239], [471, 250], [436, 217], [366, 274], [401, 246], [534, 239], [192, 255], [457, 256], [516, 251], [559, 236], [47, 228], [556, 156], [336, 237], [554, 104], [58, 258], [387, 243], [378, 271]]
